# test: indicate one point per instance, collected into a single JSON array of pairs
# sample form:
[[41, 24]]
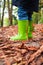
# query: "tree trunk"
[[3, 14], [10, 12]]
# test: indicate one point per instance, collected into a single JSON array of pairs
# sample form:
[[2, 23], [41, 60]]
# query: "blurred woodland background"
[[8, 13]]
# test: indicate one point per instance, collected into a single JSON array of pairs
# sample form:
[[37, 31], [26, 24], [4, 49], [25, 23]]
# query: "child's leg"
[[22, 13], [22, 25], [30, 20], [30, 25]]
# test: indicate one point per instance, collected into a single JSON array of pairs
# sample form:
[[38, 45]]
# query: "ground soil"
[[26, 52]]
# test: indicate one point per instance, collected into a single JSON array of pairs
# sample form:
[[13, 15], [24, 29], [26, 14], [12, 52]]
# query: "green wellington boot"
[[22, 28], [30, 29]]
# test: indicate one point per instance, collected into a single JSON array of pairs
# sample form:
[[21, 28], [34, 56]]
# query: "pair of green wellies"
[[25, 29]]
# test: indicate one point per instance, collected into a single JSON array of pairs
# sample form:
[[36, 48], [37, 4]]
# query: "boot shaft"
[[22, 26]]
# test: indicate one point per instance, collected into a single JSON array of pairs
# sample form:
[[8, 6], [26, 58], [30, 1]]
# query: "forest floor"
[[28, 52]]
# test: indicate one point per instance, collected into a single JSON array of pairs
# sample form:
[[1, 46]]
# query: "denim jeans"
[[23, 14]]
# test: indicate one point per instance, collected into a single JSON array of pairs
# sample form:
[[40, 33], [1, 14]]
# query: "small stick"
[[36, 54]]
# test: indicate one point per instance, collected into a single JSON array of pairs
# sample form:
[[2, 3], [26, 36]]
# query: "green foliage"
[[35, 17], [6, 22], [14, 21], [0, 23], [41, 20]]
